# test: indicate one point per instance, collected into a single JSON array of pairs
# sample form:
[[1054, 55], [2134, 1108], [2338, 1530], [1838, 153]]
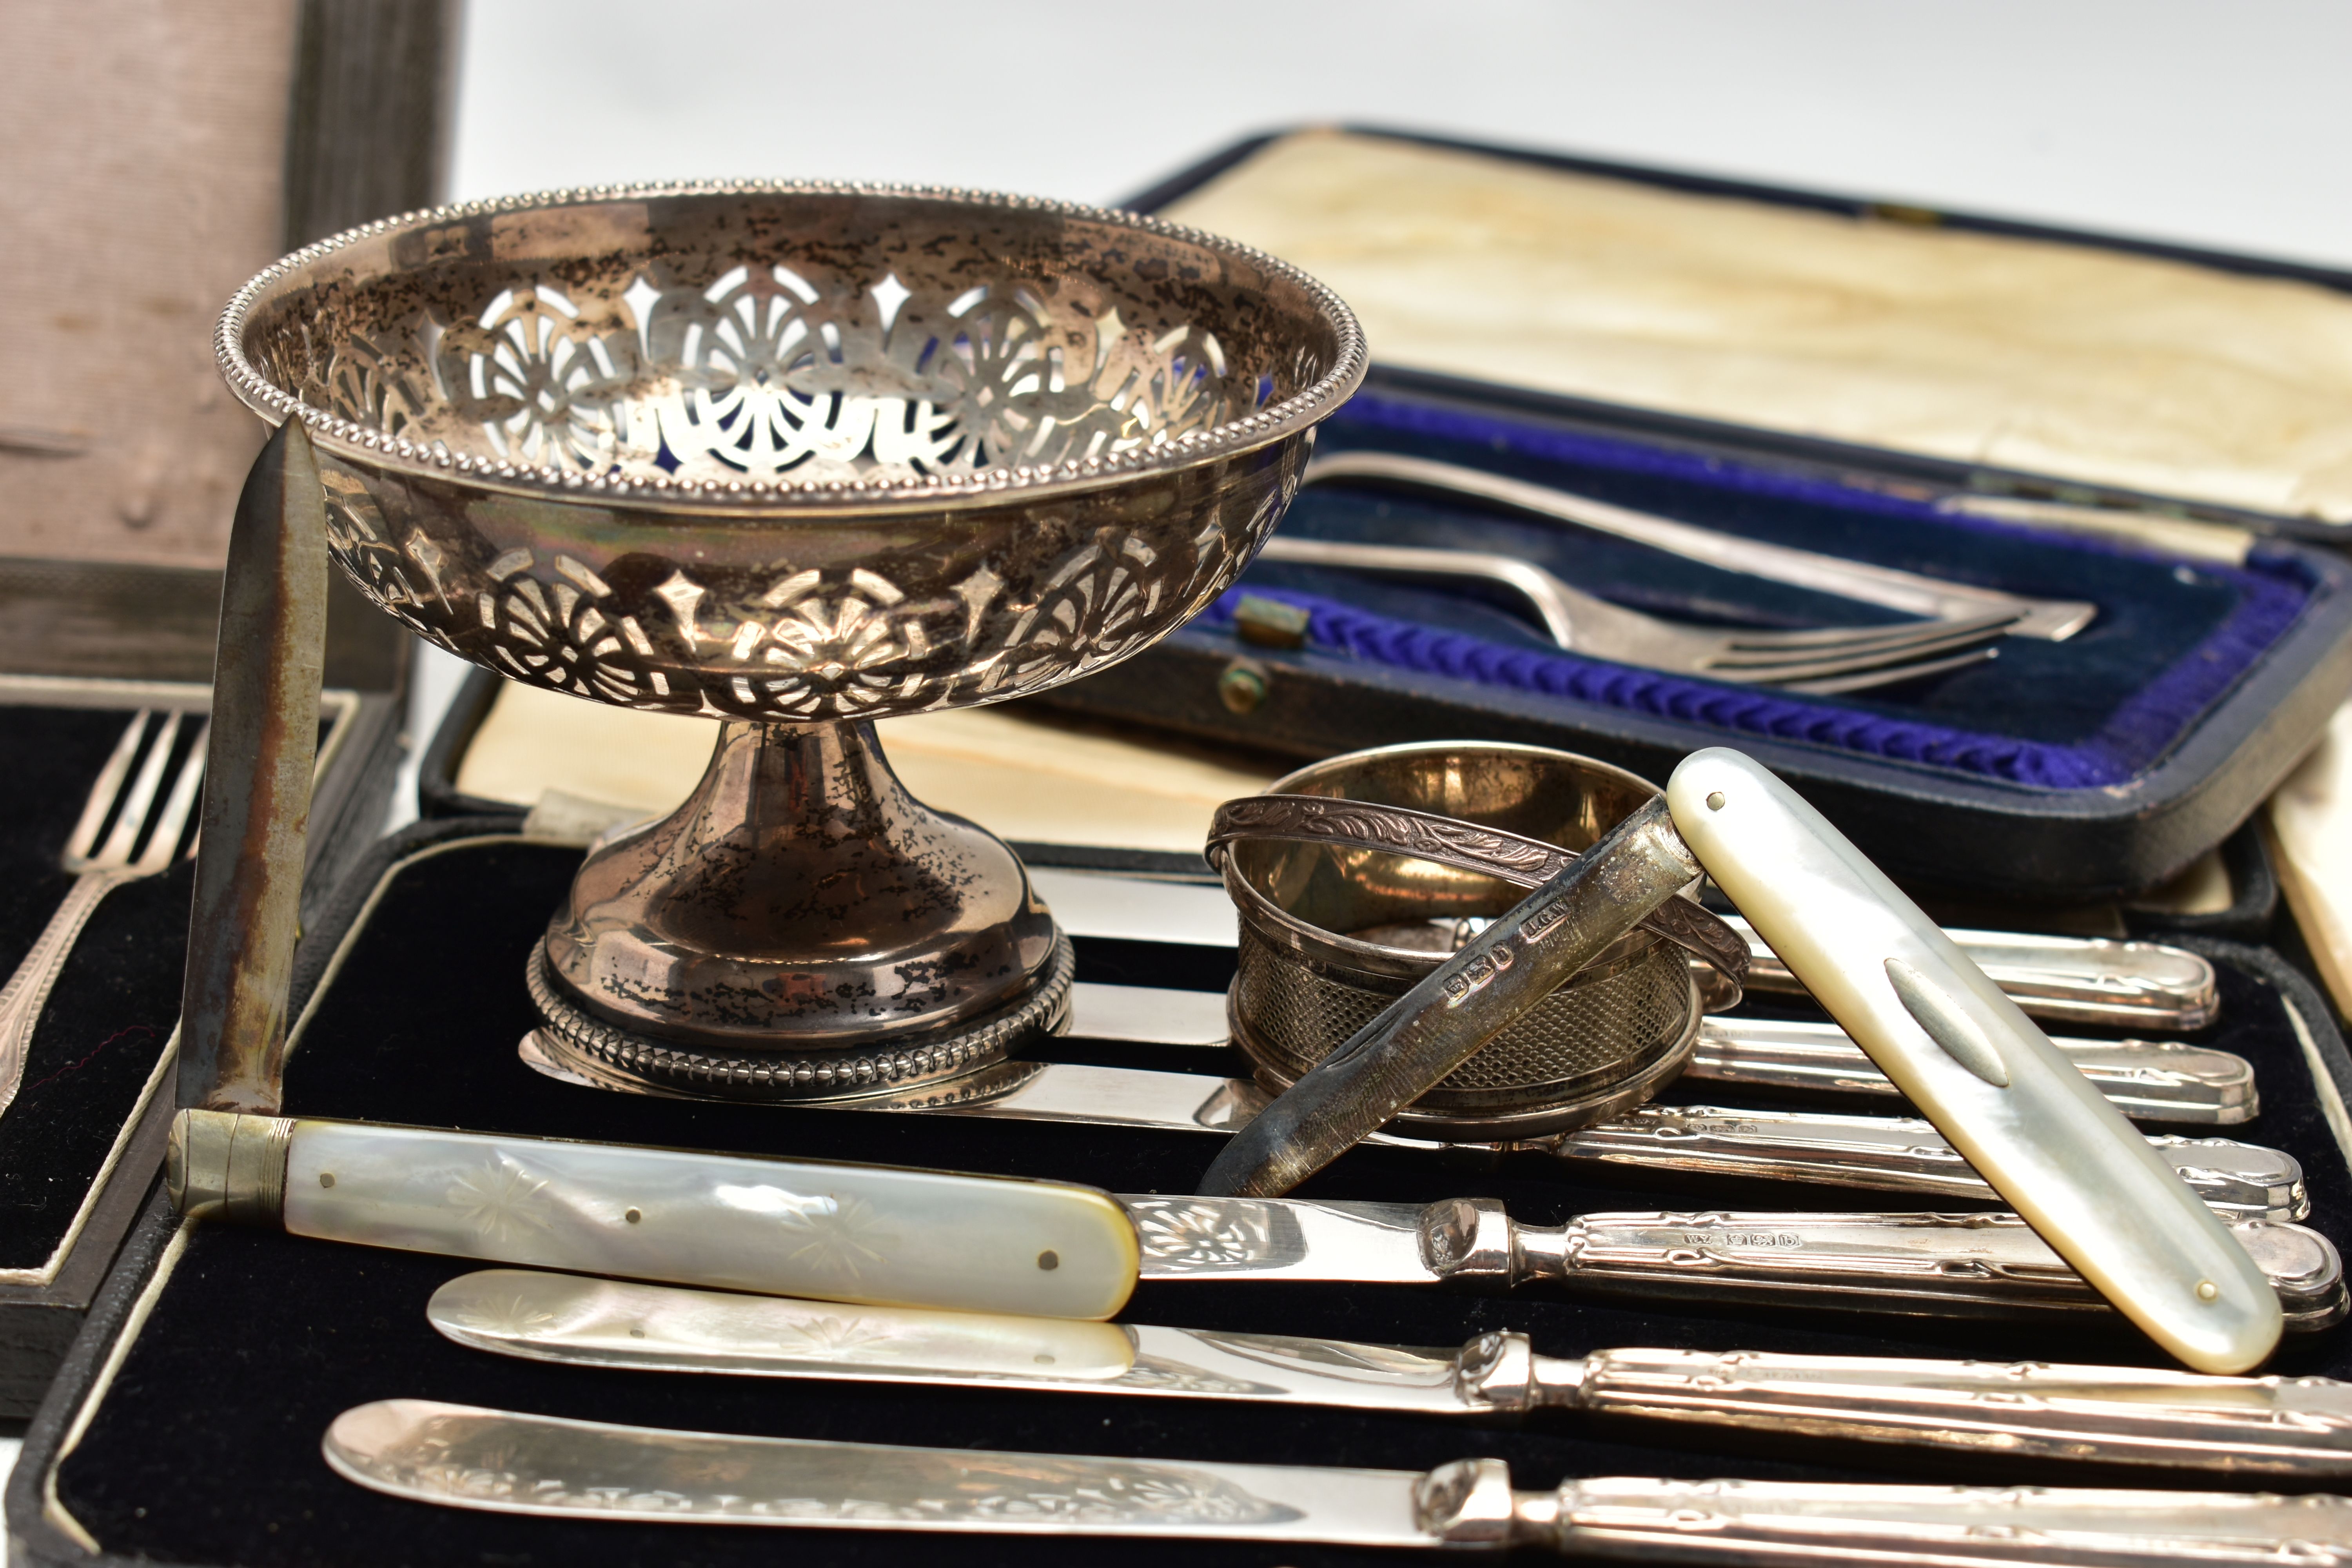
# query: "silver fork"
[[2055, 619], [128, 801], [1828, 659]]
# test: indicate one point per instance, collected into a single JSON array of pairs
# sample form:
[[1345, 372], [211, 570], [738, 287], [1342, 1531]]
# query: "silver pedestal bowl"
[[797, 458]]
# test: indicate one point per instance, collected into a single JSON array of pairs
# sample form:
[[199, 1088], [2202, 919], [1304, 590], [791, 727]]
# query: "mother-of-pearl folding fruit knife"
[[2033, 1127]]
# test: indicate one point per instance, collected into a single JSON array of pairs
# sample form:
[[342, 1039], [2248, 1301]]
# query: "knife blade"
[[498, 1461], [2286, 1426], [2148, 1080], [1901, 1154], [251, 837]]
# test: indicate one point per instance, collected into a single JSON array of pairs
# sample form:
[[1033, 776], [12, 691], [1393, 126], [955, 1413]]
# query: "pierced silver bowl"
[[798, 457]]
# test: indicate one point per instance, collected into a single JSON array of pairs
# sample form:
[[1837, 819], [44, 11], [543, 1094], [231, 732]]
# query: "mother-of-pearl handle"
[[2045, 1140], [873, 1234]]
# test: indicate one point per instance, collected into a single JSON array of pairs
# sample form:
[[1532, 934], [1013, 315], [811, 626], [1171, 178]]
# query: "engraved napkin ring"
[[1345, 903]]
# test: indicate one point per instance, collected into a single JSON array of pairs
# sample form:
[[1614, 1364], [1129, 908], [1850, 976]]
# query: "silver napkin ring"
[[1329, 937]]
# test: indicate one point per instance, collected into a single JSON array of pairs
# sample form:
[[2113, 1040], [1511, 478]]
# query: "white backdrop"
[[2207, 123], [2195, 121]]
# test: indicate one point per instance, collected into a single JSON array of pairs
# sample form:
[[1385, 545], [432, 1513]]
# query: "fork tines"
[[1843, 658], [123, 804]]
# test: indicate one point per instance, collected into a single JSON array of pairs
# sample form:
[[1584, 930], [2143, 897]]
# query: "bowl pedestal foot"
[[800, 928]]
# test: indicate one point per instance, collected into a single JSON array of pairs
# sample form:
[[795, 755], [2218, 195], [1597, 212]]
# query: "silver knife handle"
[[2271, 1425], [1768, 1524], [2147, 1080], [1975, 1265], [1905, 1154], [2064, 979]]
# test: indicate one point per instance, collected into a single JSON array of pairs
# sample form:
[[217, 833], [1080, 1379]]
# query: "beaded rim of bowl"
[[1291, 416]]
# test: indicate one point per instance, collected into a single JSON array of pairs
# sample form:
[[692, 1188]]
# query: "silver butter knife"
[[2241, 1425], [1896, 1154], [501, 1462], [1975, 1265], [2147, 1080]]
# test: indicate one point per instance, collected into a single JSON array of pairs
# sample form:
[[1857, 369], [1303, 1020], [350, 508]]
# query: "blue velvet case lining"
[[2171, 638]]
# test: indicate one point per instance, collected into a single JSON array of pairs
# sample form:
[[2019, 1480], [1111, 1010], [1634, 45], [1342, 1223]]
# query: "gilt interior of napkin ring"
[[1331, 935]]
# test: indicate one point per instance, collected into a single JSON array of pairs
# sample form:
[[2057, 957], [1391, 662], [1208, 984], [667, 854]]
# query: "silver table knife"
[[501, 1462], [2147, 1080], [2241, 1425], [2069, 980], [1900, 1154], [1974, 1265]]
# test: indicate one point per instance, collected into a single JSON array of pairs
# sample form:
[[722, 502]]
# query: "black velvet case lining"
[[259, 1340], [111, 1012]]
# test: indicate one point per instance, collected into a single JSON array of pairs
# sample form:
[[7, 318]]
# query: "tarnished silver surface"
[[1499, 978], [840, 346], [2054, 619], [637, 1064], [465, 1457], [801, 897], [1935, 1265], [2271, 1425], [2241, 1181], [2078, 980], [1816, 659], [924, 447], [1316, 963], [1345, 824], [228, 1165], [799, 457], [261, 752], [2147, 1080]]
